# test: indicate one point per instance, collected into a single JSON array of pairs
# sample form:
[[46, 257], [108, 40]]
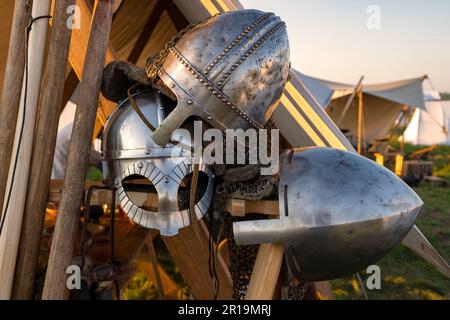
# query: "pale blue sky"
[[330, 39]]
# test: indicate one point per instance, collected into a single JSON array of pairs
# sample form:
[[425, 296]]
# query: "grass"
[[404, 274], [445, 95]]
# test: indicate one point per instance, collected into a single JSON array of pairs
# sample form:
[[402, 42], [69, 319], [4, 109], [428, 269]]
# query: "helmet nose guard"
[[129, 151]]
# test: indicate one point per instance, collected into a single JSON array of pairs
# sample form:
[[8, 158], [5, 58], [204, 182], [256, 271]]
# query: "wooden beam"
[[266, 272], [43, 151], [69, 208], [178, 19], [12, 87], [147, 31], [77, 52], [239, 208], [189, 249]]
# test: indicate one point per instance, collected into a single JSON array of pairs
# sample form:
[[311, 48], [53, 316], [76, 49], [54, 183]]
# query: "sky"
[[384, 40]]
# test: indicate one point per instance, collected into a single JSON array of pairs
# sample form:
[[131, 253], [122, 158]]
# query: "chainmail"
[[296, 292], [242, 258]]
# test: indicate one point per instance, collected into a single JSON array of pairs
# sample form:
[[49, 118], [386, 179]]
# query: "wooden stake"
[[14, 202], [12, 87], [265, 272], [69, 209], [42, 157]]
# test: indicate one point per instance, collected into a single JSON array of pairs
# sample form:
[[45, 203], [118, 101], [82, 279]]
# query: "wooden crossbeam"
[[178, 19]]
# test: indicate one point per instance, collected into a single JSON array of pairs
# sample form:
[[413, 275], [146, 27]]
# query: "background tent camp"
[[430, 126], [381, 104]]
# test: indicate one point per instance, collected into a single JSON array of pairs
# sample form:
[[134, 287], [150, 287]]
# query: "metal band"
[[237, 40], [214, 89], [252, 50]]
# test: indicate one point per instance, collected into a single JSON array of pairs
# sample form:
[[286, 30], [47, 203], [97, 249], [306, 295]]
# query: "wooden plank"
[[68, 211], [417, 242], [147, 31], [189, 249], [21, 158], [239, 208], [12, 87], [265, 272]]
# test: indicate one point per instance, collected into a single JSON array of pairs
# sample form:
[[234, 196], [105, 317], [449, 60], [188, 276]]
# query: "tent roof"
[[407, 92]]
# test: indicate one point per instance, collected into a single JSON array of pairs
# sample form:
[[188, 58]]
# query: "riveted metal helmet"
[[339, 213], [229, 70], [149, 178]]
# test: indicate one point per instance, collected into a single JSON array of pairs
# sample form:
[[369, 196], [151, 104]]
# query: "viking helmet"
[[229, 70], [130, 155], [339, 213]]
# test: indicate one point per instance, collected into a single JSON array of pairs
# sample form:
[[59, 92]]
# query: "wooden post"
[[78, 47], [350, 100], [360, 120], [42, 157], [265, 272], [12, 87], [14, 202], [61, 251]]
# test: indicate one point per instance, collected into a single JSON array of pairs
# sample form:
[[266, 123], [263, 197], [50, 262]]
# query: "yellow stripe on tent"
[[212, 9], [301, 121], [314, 117], [223, 5]]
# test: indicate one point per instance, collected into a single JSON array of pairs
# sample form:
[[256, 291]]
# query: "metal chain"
[[297, 292], [155, 63]]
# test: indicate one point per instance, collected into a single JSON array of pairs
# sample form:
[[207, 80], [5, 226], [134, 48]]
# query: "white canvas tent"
[[430, 126], [382, 104]]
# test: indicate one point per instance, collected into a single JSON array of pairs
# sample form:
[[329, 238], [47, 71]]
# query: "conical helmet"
[[229, 70], [150, 179]]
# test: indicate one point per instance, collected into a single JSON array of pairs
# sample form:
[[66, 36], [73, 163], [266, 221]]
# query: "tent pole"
[[69, 208], [14, 201], [42, 154], [350, 100], [12, 87], [360, 119]]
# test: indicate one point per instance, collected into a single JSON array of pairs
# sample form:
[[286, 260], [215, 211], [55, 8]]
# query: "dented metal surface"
[[230, 71], [128, 150], [339, 212]]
